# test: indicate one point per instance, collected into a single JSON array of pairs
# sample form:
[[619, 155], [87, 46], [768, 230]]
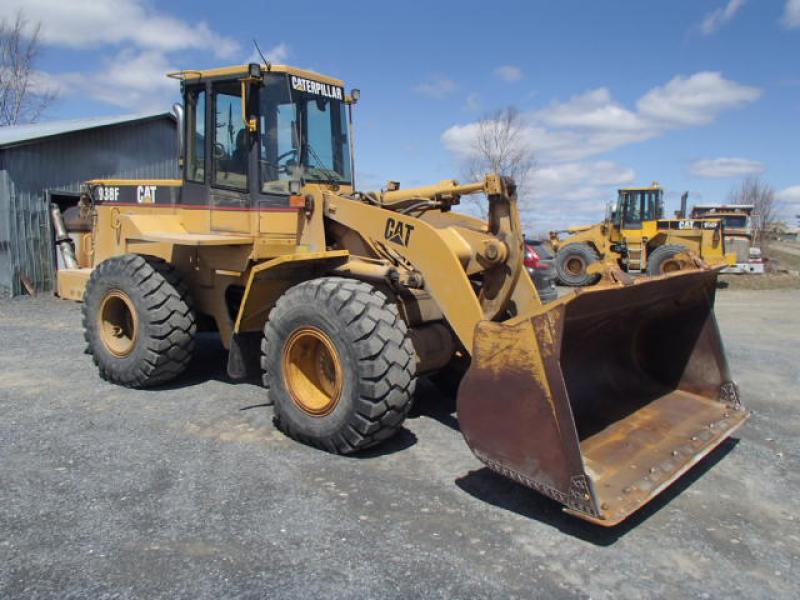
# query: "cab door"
[[632, 216], [196, 162], [230, 143]]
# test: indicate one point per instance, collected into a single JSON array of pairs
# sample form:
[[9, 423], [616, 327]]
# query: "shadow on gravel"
[[488, 486], [400, 441], [430, 402], [209, 363]]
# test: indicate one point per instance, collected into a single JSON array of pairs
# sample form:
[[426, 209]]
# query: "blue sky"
[[694, 94]]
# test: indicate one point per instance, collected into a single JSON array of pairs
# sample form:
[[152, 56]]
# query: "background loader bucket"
[[603, 399]]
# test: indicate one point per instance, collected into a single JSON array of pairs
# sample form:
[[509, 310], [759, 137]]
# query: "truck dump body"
[[604, 400]]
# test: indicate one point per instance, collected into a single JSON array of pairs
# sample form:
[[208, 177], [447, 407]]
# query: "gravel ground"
[[190, 492]]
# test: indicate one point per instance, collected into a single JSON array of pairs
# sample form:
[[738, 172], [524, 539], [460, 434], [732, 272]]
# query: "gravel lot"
[[190, 492]]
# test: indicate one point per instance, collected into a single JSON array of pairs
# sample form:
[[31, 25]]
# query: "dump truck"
[[341, 299], [741, 233], [636, 237]]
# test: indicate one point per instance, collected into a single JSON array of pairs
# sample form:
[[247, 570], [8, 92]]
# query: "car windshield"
[[303, 133]]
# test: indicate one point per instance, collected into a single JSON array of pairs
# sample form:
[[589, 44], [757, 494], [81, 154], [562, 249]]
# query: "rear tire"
[[662, 260], [138, 321], [339, 364], [572, 262]]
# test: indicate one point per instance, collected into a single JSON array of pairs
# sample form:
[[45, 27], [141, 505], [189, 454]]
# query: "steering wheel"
[[291, 152], [219, 151], [283, 168]]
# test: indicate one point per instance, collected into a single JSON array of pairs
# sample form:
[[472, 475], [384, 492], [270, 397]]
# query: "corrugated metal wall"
[[142, 149], [25, 247], [5, 235]]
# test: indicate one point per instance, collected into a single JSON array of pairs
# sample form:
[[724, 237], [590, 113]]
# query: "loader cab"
[[253, 136], [636, 207]]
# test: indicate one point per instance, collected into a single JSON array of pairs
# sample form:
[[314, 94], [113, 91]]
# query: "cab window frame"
[[193, 119], [225, 88]]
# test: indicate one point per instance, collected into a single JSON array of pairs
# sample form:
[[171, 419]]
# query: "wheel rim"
[[118, 324], [574, 265], [671, 265], [312, 371]]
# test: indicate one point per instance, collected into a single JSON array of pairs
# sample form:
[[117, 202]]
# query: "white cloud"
[[473, 102], [141, 86], [567, 186], [594, 109], [790, 194], [694, 100], [593, 123], [717, 18], [726, 167], [437, 88], [791, 14], [138, 44], [508, 73], [89, 23], [789, 203], [571, 193], [579, 180]]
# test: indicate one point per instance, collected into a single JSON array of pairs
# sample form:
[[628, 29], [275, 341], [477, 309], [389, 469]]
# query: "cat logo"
[[398, 232], [146, 194]]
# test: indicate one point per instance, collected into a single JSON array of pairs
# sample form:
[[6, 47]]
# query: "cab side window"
[[230, 148], [196, 136]]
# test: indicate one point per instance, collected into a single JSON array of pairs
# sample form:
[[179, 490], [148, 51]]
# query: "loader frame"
[[543, 401]]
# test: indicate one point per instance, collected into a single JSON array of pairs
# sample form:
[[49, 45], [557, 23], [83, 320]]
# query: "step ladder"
[[635, 256]]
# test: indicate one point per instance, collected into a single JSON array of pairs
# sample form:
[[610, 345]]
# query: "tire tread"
[[168, 320], [386, 360]]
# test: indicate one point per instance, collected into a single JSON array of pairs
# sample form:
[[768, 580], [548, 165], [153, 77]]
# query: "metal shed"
[[48, 162]]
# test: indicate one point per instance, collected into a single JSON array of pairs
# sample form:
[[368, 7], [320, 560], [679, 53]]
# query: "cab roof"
[[725, 207], [647, 188], [243, 70]]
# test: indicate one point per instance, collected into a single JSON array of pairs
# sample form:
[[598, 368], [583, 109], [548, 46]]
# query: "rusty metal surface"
[[634, 459], [514, 413], [604, 399]]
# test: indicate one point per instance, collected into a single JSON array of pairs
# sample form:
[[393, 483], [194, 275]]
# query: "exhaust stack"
[[63, 241]]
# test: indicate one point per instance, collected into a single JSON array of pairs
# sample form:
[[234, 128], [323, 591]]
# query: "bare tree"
[[762, 196], [21, 99], [499, 146]]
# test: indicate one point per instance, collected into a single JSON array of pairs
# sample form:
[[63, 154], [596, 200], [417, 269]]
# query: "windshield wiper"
[[327, 173]]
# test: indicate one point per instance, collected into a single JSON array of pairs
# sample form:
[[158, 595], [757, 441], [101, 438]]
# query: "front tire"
[[138, 321], [339, 364], [572, 263], [663, 260]]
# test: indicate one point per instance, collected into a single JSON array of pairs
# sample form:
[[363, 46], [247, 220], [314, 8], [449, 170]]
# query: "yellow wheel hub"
[[118, 324], [575, 266], [312, 371]]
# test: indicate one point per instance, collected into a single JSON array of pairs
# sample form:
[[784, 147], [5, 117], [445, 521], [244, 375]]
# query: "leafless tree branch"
[[20, 100], [499, 146], [762, 196]]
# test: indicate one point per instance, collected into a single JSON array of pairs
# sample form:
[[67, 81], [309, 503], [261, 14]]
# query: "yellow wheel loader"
[[635, 237], [342, 299]]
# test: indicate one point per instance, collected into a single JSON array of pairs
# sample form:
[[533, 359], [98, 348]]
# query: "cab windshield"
[[735, 221], [303, 133], [637, 206]]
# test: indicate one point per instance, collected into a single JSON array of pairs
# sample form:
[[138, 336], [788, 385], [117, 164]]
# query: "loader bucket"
[[604, 398]]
